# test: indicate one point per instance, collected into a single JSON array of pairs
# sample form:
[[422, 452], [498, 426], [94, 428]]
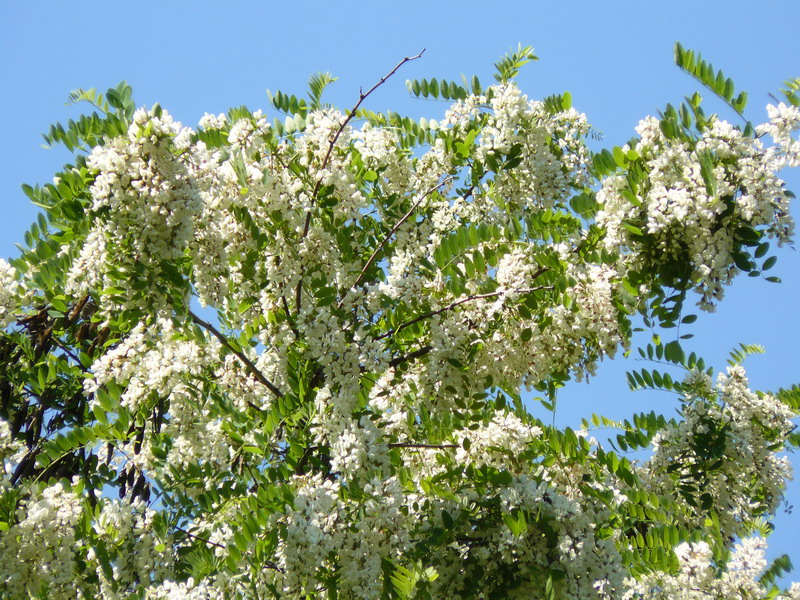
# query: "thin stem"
[[361, 97], [457, 303], [198, 538], [246, 361], [413, 445], [410, 356], [389, 235]]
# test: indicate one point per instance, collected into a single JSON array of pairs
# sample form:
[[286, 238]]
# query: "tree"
[[286, 359]]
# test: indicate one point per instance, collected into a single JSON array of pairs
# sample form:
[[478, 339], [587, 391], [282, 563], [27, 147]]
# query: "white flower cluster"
[[688, 212], [497, 443], [568, 336], [784, 122], [698, 578], [553, 155], [740, 431], [148, 362], [152, 364], [554, 533], [9, 287], [40, 549], [143, 201], [8, 446], [318, 529], [185, 590], [127, 532]]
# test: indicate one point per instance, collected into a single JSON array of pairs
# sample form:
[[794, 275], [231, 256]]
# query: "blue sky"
[[614, 57]]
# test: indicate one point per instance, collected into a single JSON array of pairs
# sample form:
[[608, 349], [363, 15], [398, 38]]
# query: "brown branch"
[[246, 361], [198, 538], [457, 303], [268, 563], [394, 229], [300, 468], [413, 445], [71, 354], [361, 97], [301, 464], [410, 356], [289, 317]]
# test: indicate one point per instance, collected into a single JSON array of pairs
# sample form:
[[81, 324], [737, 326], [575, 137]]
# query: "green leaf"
[[715, 81], [508, 67], [674, 353], [316, 86]]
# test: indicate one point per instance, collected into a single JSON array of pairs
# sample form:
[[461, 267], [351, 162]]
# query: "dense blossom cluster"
[[346, 423], [697, 577], [689, 211], [8, 293], [736, 424], [144, 202], [783, 124], [42, 542]]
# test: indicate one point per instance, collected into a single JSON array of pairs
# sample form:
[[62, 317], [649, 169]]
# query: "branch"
[[413, 445], [394, 229], [410, 356], [246, 361], [269, 564], [198, 538], [289, 317], [301, 464], [457, 303], [361, 97]]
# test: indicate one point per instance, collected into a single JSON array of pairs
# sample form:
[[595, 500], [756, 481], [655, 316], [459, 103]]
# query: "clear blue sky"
[[614, 57]]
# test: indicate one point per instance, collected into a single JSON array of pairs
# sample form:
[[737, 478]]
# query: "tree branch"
[[413, 445], [269, 564], [301, 464], [246, 361], [394, 229], [198, 538], [361, 97], [457, 303], [410, 356]]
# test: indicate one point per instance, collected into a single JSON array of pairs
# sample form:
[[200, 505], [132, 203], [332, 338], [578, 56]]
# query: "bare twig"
[[361, 97], [410, 356], [394, 229], [269, 564], [430, 446], [246, 361], [198, 538], [457, 303], [289, 317], [301, 464]]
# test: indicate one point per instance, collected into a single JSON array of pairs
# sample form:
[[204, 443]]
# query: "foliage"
[[287, 359]]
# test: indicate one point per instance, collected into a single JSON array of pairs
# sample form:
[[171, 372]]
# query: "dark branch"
[[301, 464], [361, 97], [410, 356], [246, 361], [457, 303], [198, 538], [430, 446], [268, 563], [394, 229]]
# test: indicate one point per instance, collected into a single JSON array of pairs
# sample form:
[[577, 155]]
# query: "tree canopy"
[[291, 358]]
